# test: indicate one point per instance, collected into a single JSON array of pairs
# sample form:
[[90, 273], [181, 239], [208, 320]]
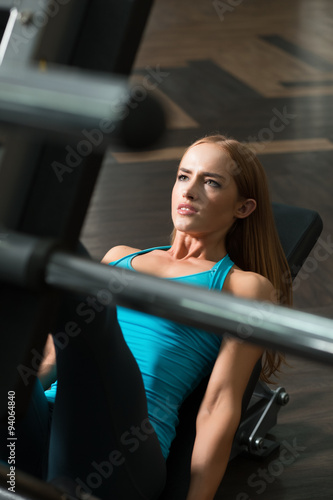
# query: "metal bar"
[[60, 100], [12, 16], [266, 324]]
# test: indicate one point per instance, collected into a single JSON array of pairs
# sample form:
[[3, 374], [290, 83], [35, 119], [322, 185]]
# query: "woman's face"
[[205, 198]]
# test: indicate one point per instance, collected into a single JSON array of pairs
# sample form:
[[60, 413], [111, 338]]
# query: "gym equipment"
[[46, 183], [41, 213], [94, 110]]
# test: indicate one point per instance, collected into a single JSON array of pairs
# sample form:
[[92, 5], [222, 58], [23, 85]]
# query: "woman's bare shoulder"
[[249, 285], [118, 252]]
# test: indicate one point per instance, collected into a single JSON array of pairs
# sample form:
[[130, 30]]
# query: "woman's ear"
[[246, 208]]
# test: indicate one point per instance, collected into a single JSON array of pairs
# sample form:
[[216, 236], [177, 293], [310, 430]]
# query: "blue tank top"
[[172, 358]]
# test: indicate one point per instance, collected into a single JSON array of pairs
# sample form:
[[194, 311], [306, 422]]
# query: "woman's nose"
[[189, 194], [190, 191]]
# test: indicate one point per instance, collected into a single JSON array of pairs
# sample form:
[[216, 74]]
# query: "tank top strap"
[[219, 273], [125, 262]]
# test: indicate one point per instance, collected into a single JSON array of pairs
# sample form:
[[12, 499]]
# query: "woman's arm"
[[47, 372], [220, 411], [219, 417]]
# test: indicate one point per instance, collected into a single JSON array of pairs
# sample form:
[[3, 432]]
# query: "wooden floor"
[[232, 67]]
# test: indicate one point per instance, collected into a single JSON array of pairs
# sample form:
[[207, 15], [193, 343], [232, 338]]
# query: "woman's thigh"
[[101, 436]]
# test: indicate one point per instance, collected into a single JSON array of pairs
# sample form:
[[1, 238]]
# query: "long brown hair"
[[253, 243]]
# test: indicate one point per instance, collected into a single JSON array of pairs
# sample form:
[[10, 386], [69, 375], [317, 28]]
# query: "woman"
[[222, 214], [115, 413]]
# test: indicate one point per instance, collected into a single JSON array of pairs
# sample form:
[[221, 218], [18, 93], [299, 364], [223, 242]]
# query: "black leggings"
[[98, 438]]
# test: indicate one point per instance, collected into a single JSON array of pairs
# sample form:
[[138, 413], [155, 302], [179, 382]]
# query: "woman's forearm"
[[212, 447]]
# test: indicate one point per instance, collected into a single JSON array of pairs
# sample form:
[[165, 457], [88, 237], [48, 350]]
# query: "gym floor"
[[240, 67]]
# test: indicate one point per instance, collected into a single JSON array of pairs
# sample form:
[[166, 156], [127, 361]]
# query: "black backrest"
[[299, 229]]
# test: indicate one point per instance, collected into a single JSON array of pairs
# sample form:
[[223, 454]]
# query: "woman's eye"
[[182, 177], [212, 183]]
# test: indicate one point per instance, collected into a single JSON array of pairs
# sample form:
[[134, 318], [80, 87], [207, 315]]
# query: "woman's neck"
[[186, 246]]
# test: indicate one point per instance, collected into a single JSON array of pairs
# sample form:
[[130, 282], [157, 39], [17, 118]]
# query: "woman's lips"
[[185, 209]]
